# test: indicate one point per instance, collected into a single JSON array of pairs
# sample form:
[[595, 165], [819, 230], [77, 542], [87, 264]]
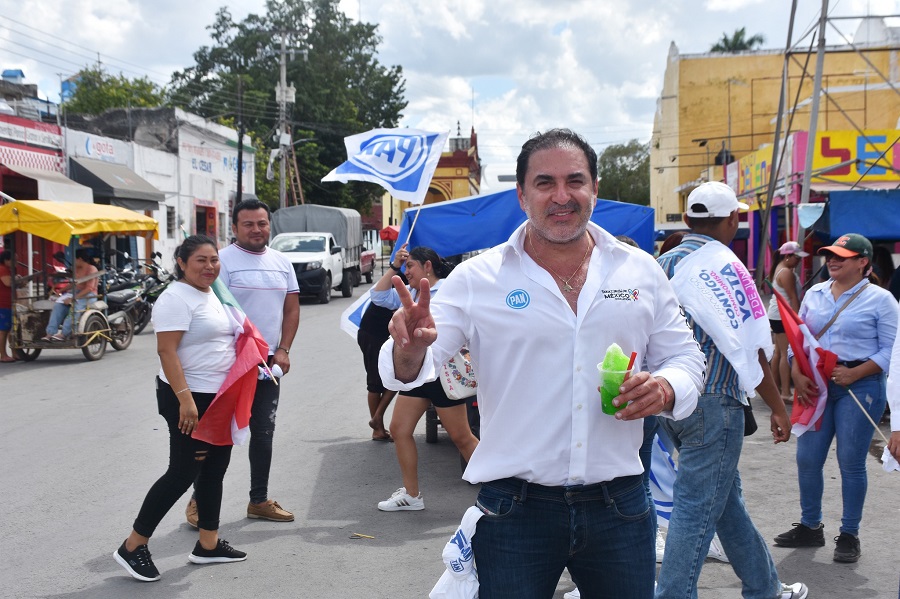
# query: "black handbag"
[[750, 425]]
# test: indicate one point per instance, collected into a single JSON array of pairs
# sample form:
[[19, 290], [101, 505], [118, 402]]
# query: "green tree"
[[624, 171], [342, 88], [738, 42], [97, 91]]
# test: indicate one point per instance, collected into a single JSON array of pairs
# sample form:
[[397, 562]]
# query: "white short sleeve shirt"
[[206, 351]]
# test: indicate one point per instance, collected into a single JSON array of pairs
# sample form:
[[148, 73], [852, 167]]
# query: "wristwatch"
[[395, 268]]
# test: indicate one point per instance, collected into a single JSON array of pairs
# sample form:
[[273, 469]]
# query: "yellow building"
[[458, 175], [717, 108]]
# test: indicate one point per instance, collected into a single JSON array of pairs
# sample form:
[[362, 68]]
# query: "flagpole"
[[877, 430], [413, 227]]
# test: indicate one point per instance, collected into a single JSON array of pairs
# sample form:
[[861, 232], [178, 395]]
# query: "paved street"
[[82, 442]]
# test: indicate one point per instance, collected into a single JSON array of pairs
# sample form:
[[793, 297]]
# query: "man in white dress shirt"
[[561, 481]]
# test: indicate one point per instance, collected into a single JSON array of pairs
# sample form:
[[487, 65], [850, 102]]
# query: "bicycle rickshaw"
[[69, 224]]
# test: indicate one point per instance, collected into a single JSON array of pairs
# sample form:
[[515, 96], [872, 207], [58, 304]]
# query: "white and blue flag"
[[400, 160], [352, 316]]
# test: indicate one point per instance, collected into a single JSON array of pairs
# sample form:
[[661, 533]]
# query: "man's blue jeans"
[[603, 533], [61, 316], [708, 499], [842, 419]]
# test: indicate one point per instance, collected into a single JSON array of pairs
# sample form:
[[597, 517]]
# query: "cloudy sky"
[[593, 65]]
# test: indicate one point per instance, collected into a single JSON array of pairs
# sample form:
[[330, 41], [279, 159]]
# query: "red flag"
[[814, 362], [227, 419]]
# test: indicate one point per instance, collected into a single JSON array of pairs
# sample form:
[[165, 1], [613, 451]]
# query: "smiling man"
[[561, 480]]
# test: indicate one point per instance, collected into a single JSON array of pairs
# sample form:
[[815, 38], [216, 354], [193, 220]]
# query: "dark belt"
[[851, 363], [608, 489]]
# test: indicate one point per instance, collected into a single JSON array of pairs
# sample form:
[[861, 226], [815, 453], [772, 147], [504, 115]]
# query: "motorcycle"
[[146, 286], [120, 305], [152, 287]]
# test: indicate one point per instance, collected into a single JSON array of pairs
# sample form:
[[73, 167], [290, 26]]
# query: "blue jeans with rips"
[[842, 419], [708, 500], [603, 533]]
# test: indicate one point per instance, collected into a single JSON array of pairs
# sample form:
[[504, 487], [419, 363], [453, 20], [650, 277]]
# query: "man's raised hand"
[[412, 326]]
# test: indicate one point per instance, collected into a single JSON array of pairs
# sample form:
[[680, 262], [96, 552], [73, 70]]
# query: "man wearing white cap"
[[707, 491]]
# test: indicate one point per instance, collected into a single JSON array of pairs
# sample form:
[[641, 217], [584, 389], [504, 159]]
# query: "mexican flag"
[[815, 363], [227, 420]]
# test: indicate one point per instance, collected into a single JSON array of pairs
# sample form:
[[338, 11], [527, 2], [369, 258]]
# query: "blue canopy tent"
[[480, 222], [869, 212]]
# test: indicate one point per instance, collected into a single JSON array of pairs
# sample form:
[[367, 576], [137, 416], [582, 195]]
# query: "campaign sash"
[[716, 289]]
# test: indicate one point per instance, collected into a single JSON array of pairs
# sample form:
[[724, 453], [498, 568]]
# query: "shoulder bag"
[[458, 376]]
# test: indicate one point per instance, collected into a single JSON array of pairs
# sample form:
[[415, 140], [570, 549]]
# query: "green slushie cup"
[[610, 381], [613, 372]]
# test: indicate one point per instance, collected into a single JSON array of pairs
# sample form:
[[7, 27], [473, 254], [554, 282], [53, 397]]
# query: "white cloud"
[[593, 65]]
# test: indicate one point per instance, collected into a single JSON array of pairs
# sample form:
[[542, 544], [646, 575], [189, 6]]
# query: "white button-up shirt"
[[536, 360]]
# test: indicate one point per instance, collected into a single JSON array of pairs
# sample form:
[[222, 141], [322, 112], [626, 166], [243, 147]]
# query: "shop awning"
[[54, 186], [115, 184], [59, 221]]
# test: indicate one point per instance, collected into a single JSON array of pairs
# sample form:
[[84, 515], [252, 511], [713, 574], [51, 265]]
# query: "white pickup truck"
[[318, 262], [325, 244]]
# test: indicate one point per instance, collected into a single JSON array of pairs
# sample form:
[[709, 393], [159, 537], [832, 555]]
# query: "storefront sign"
[[877, 154]]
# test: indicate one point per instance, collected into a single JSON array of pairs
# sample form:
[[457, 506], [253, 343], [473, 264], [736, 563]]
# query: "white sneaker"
[[573, 594], [797, 590], [401, 501], [715, 550], [660, 545]]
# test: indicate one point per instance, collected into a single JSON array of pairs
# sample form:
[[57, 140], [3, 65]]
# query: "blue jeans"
[[651, 425], [707, 500], [603, 533], [60, 312], [842, 419]]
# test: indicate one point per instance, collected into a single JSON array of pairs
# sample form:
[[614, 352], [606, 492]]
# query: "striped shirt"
[[720, 376]]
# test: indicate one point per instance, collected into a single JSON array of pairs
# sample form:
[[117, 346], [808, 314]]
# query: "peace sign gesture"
[[412, 328]]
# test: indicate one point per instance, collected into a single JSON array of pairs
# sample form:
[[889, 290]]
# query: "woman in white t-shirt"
[[196, 346]]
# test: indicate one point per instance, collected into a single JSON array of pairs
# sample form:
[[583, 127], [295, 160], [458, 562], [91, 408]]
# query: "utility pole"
[[240, 145], [286, 95], [282, 118]]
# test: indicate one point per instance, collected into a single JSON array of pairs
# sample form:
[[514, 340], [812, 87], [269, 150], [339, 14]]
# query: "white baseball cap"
[[713, 199]]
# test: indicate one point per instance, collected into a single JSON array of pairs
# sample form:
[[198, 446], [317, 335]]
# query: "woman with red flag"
[[196, 346], [856, 321]]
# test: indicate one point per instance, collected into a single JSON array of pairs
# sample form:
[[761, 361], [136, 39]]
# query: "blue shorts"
[[5, 319]]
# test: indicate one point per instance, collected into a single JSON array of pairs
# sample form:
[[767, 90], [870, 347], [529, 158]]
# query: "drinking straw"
[[630, 364]]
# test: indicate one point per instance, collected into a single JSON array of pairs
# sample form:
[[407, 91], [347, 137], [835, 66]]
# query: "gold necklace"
[[566, 287]]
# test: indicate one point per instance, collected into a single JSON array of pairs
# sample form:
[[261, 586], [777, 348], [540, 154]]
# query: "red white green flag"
[[227, 420]]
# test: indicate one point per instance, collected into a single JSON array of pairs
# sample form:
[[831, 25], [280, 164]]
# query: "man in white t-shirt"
[[265, 285]]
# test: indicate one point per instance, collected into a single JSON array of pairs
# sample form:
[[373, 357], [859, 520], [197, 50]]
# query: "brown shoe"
[[190, 513], [270, 510]]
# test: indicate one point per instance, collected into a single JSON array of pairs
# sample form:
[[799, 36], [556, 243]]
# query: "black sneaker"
[[137, 563], [847, 549], [802, 536], [221, 554]]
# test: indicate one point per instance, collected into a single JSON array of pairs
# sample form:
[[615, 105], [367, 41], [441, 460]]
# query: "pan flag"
[[815, 363], [227, 419], [400, 160]]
